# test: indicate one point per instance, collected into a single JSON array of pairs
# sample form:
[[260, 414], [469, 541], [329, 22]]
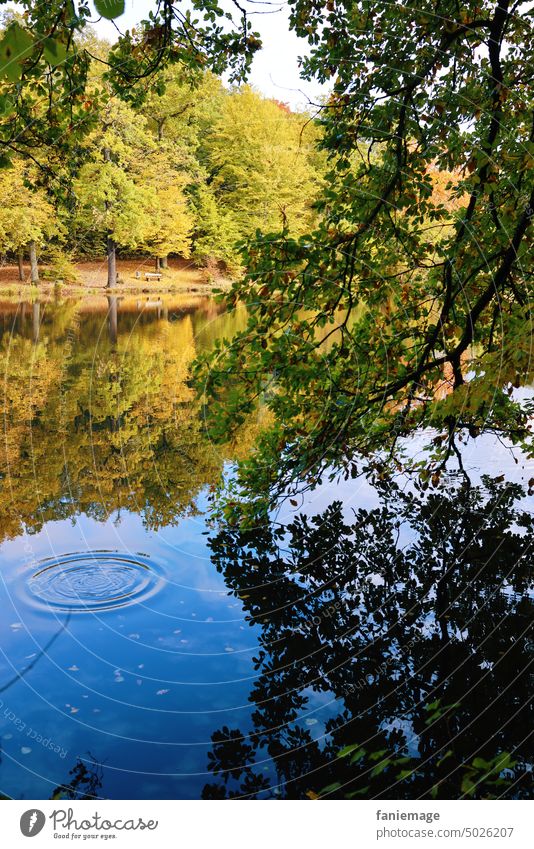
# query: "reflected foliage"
[[86, 781], [406, 626], [98, 415]]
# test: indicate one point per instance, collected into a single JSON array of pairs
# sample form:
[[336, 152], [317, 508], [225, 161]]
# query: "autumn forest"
[[267, 461]]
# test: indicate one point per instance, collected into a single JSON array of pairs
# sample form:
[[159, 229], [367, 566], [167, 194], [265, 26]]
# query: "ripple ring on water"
[[94, 581]]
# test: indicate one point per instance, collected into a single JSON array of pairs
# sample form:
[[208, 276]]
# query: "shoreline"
[[180, 278]]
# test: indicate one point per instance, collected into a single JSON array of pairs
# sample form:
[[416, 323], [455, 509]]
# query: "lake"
[[150, 652]]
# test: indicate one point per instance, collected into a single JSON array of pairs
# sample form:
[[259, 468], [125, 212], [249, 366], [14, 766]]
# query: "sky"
[[275, 70]]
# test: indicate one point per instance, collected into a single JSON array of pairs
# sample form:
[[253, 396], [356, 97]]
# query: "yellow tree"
[[27, 217], [167, 221], [259, 156]]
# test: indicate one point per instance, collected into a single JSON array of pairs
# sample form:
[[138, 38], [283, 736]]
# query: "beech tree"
[[27, 216], [167, 221], [257, 158], [109, 200]]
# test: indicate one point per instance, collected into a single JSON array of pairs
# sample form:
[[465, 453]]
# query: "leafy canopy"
[[404, 309]]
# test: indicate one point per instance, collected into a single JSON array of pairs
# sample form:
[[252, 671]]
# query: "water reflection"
[[96, 422], [263, 653], [415, 606]]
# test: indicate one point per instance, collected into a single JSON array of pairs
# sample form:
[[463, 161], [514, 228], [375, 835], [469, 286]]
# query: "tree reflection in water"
[[413, 618]]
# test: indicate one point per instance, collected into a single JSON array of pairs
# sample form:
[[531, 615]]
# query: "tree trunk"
[[22, 276], [112, 320], [36, 321], [164, 261], [158, 264], [112, 247], [112, 263], [33, 263]]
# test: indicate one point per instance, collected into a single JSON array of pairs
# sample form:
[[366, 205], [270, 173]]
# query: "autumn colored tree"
[[257, 156], [27, 216]]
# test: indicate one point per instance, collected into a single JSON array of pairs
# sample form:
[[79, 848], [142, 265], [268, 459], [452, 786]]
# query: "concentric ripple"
[[94, 581]]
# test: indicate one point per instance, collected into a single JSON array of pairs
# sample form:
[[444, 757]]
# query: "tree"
[[167, 220], [179, 117], [257, 160], [109, 201], [363, 318], [27, 217], [371, 639]]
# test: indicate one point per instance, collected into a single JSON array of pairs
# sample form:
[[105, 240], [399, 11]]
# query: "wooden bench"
[[152, 275]]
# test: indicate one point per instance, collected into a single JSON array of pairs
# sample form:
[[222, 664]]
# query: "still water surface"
[[147, 654]]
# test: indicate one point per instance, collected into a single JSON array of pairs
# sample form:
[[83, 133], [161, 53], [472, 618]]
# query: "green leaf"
[[380, 767], [468, 785], [7, 106], [110, 9], [404, 773], [331, 787], [55, 52], [347, 750], [15, 47]]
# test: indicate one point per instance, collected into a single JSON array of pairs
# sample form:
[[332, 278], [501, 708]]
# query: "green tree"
[[363, 319], [109, 200]]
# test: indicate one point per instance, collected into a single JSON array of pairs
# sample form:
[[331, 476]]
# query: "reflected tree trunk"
[[112, 320], [36, 321], [22, 276], [33, 263]]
